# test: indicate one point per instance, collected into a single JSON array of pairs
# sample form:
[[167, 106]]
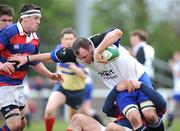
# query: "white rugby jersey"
[[125, 67], [176, 78], [146, 52]]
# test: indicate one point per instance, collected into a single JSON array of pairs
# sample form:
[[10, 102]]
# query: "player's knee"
[[150, 115], [78, 119], [111, 127], [15, 125], [49, 112], [134, 118]]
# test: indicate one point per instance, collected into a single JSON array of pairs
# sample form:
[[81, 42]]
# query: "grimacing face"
[[5, 20], [85, 56], [67, 40], [32, 23]]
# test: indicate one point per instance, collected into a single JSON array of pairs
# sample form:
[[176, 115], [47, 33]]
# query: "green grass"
[[61, 126], [39, 126]]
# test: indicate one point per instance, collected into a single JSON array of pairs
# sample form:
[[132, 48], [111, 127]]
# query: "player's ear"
[[90, 48]]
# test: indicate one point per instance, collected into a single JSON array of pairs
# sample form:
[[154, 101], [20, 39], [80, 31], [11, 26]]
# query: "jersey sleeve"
[[4, 39], [63, 55], [97, 38]]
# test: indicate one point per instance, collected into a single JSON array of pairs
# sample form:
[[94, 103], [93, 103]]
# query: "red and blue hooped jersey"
[[13, 40]]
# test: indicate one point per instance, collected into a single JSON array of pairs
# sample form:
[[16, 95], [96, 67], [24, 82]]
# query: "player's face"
[[67, 40], [85, 56], [32, 23], [134, 40], [5, 20]]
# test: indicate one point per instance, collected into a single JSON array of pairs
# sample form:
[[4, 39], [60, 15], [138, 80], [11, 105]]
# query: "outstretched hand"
[[57, 77], [22, 59]]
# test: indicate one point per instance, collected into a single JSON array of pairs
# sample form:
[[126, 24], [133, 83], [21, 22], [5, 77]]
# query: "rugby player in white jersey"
[[125, 67]]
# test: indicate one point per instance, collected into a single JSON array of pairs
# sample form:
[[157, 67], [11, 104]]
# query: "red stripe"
[[16, 75], [35, 42], [17, 39], [120, 117], [1, 46], [5, 53]]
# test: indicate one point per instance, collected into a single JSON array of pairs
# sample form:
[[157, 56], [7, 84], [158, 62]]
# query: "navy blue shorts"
[[73, 98], [88, 92], [124, 98]]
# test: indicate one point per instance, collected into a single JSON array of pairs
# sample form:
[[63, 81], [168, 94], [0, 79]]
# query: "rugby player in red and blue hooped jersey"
[[20, 38]]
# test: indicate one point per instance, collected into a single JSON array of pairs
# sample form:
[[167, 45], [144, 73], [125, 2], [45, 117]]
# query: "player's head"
[[176, 56], [6, 15], [67, 37], [83, 50], [30, 16], [138, 36]]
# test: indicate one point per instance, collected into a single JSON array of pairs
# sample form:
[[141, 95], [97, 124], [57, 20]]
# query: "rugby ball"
[[110, 53]]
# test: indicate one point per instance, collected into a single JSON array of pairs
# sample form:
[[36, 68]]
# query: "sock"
[[157, 127], [49, 122], [142, 128], [5, 128], [68, 129]]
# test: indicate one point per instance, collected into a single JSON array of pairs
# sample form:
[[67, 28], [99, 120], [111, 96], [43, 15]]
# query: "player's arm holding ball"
[[110, 38]]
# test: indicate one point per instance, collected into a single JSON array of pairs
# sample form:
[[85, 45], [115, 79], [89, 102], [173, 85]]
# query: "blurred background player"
[[174, 64], [71, 91], [86, 107], [142, 51], [6, 15]]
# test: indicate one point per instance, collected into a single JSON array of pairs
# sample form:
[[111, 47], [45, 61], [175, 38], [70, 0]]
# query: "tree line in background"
[[125, 14]]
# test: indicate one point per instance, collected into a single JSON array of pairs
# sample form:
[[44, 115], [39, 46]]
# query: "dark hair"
[[80, 43], [6, 10], [140, 33], [27, 7], [67, 30]]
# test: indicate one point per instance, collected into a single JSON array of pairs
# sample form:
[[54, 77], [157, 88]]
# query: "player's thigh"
[[55, 100], [13, 118]]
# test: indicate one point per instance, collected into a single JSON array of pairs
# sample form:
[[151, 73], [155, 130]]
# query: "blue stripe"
[[68, 73], [63, 65], [2, 59], [21, 48], [8, 80]]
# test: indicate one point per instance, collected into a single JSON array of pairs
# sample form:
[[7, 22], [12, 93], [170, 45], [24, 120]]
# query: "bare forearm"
[[44, 57], [109, 39], [42, 70]]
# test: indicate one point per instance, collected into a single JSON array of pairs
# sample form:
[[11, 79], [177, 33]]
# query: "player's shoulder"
[[10, 30]]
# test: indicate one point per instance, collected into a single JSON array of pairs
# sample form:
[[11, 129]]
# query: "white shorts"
[[12, 95]]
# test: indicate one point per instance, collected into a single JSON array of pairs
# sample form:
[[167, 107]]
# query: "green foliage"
[[129, 15]]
